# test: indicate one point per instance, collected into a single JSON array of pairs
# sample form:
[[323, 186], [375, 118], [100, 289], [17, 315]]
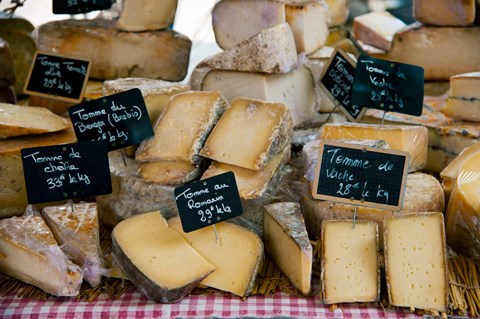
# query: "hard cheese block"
[[445, 12], [7, 67], [249, 134], [416, 261], [16, 120], [350, 263], [144, 15], [169, 172], [77, 233], [28, 252], [339, 10], [411, 139], [286, 241], [237, 255], [154, 54], [463, 102]]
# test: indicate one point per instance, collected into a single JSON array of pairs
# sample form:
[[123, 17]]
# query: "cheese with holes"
[[463, 102], [181, 130], [7, 67], [169, 172], [144, 15], [286, 241], [411, 139], [416, 261], [350, 265], [339, 10], [445, 12], [77, 233], [114, 53], [249, 134], [376, 28], [29, 253], [237, 255], [156, 258], [463, 210], [270, 51], [156, 93]]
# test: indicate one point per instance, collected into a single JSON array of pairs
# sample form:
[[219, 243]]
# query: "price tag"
[[120, 120], [58, 77], [388, 86], [66, 171], [337, 83], [80, 6], [360, 175], [207, 202]]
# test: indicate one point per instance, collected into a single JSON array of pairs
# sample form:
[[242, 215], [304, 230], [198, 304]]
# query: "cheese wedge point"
[[463, 102], [144, 15]]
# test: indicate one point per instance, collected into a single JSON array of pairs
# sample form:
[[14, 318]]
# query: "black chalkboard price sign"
[[120, 119], [359, 175], [337, 83], [208, 201], [388, 86], [66, 171], [58, 77], [80, 6]]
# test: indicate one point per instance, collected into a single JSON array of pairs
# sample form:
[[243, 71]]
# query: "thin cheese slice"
[[144, 15], [463, 102], [169, 173], [445, 12]]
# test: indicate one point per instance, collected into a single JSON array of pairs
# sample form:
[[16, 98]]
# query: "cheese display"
[[445, 12], [463, 102], [249, 134], [156, 93], [144, 15], [286, 241], [29, 253], [154, 54], [16, 120], [237, 255], [339, 11], [350, 262], [270, 51], [156, 258], [411, 139], [7, 67], [169, 172], [77, 233], [416, 261]]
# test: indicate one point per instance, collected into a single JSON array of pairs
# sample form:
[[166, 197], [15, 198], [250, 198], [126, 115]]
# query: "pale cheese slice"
[[169, 172], [445, 12], [463, 102], [144, 15]]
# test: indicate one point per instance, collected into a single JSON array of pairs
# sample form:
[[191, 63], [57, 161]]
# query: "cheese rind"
[[445, 12], [144, 15], [463, 102]]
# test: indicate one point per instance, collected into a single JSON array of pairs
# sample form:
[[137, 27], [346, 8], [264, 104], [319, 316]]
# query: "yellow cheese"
[[339, 10], [237, 255], [350, 265], [286, 241], [169, 173], [249, 134], [416, 261], [144, 15], [161, 264], [445, 12], [463, 102]]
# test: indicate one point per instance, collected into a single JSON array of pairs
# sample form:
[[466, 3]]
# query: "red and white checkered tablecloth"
[[133, 305]]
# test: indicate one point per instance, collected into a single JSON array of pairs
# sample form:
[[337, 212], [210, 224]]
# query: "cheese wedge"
[[416, 261], [445, 12], [144, 15], [286, 241], [169, 173], [249, 134], [114, 53], [77, 233], [181, 130], [350, 263], [339, 10], [463, 102], [29, 253], [161, 264], [7, 67], [237, 255]]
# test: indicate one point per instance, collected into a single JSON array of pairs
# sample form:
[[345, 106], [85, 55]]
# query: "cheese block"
[[423, 193], [463, 102], [115, 54], [156, 93], [416, 261], [295, 89], [161, 264], [237, 255], [7, 66], [287, 243], [249, 134], [463, 209], [376, 28], [16, 120], [270, 51], [445, 12], [411, 139], [339, 10], [251, 183], [29, 253], [144, 15], [431, 48], [169, 172], [350, 262], [77, 233], [181, 130]]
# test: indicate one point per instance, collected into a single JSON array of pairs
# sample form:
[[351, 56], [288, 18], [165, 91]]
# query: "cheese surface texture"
[[463, 102], [445, 12], [169, 172], [377, 28], [144, 15]]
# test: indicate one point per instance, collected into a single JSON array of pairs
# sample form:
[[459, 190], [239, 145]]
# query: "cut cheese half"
[[144, 15], [463, 102]]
